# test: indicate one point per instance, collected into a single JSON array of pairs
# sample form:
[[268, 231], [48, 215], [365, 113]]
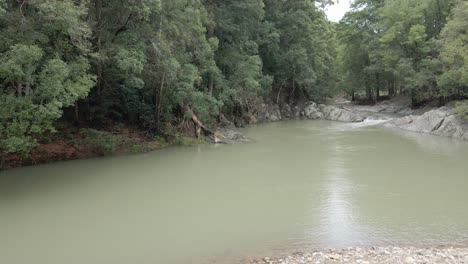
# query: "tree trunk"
[[391, 88], [442, 101], [157, 104], [199, 127], [279, 95], [28, 90], [377, 88], [19, 90], [77, 113], [211, 87], [98, 32], [211, 34], [293, 91]]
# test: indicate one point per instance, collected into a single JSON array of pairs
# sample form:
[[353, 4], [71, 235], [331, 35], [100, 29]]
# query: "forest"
[[152, 64]]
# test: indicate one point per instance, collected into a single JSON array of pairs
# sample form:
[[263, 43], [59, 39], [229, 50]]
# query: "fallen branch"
[[200, 128]]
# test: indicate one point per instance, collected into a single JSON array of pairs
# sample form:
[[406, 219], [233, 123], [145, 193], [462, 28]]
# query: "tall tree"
[[298, 47], [454, 39], [43, 67]]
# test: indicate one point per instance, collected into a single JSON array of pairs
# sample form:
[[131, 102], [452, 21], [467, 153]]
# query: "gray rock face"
[[337, 114], [311, 111], [440, 122], [231, 135], [263, 112], [286, 112]]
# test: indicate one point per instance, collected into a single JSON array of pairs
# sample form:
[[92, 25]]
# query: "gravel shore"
[[393, 255]]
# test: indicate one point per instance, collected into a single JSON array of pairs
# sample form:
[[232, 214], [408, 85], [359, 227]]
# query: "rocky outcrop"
[[328, 112], [265, 112], [441, 122], [428, 119], [230, 135], [311, 111], [339, 114]]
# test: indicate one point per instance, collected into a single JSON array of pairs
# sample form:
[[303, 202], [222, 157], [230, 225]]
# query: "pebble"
[[375, 255]]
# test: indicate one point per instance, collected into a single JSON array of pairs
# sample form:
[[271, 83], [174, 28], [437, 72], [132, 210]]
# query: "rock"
[[311, 111], [440, 122], [224, 122], [372, 256], [286, 112], [297, 112], [229, 135], [261, 111], [252, 120], [337, 114]]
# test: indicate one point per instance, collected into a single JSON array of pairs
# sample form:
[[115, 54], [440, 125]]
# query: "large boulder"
[[311, 111], [274, 113], [228, 135], [338, 114], [287, 112], [261, 111]]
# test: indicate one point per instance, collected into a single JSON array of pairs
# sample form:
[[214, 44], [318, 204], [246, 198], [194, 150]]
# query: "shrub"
[[187, 141], [104, 143], [462, 110]]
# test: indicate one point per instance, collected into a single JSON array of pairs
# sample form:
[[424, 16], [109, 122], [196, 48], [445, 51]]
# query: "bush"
[[104, 143], [188, 141], [139, 149], [462, 110]]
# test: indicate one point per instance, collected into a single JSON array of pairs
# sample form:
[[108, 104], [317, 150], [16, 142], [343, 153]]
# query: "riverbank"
[[445, 121], [74, 143], [377, 255]]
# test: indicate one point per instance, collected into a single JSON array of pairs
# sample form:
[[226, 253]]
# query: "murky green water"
[[306, 184]]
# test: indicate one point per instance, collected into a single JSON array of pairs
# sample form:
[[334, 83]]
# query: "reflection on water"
[[310, 183], [339, 222]]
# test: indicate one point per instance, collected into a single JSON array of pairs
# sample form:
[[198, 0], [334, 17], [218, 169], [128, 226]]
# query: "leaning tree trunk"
[[199, 127]]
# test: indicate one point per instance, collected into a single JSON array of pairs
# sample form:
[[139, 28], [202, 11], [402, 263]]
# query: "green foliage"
[[103, 143], [43, 68], [162, 141], [454, 54], [462, 110], [139, 149], [188, 141], [146, 63], [2, 7], [395, 44], [299, 47]]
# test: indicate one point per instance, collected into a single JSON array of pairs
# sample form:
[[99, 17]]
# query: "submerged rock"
[[228, 135]]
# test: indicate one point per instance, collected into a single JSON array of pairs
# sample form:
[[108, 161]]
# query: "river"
[[298, 184]]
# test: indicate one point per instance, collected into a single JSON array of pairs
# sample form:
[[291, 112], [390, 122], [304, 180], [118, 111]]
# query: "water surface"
[[304, 184]]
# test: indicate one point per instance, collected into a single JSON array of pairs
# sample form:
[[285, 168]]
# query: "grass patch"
[[188, 141], [101, 142], [462, 110]]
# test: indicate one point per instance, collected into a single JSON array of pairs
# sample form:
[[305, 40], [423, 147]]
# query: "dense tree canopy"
[[44, 67], [404, 46], [148, 63]]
